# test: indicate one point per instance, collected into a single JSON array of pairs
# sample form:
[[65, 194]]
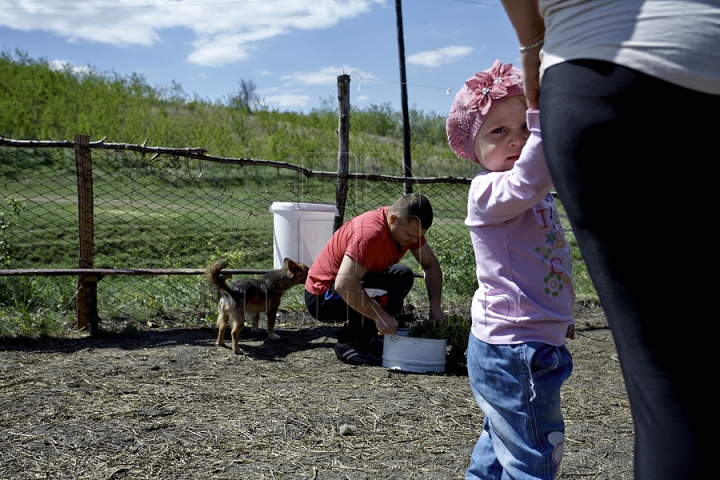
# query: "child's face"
[[503, 135]]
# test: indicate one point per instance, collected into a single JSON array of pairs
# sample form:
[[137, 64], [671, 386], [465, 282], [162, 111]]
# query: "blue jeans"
[[518, 389]]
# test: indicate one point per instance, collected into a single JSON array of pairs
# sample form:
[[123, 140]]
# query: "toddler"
[[522, 309]]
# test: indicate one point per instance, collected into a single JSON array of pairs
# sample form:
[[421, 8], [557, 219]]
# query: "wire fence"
[[162, 215]]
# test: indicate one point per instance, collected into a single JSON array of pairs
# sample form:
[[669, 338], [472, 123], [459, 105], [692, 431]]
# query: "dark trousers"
[[632, 158], [397, 281]]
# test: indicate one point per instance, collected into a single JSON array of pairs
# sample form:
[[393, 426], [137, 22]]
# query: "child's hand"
[[570, 332]]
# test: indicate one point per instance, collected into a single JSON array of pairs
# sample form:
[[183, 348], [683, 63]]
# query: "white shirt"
[[676, 41]]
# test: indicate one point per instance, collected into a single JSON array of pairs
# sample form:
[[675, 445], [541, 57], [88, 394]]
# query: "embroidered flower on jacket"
[[489, 86], [544, 252], [551, 237], [554, 284]]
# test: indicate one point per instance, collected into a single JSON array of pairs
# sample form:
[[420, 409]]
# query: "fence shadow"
[[255, 344]]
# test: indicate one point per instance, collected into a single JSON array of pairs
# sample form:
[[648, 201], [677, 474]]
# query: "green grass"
[[169, 227], [36, 306]]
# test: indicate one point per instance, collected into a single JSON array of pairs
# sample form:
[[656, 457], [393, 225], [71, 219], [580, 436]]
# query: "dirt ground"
[[168, 403]]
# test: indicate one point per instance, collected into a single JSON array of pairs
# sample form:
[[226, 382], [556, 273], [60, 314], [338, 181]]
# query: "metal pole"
[[407, 161]]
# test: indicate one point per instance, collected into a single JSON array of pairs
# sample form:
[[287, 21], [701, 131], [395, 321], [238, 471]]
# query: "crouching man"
[[364, 254]]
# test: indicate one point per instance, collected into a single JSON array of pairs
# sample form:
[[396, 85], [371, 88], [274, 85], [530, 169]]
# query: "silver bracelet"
[[527, 48]]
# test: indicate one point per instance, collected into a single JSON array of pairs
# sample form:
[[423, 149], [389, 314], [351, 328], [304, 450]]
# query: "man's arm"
[[348, 285], [433, 279]]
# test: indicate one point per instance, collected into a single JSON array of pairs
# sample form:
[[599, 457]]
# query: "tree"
[[246, 97]]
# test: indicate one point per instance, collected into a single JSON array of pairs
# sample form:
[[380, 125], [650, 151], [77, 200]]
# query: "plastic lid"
[[313, 207]]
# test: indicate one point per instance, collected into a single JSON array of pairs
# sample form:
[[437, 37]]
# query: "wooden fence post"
[[87, 285], [343, 131]]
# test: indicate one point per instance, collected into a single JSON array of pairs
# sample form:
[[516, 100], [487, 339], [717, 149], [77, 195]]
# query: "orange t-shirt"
[[366, 239]]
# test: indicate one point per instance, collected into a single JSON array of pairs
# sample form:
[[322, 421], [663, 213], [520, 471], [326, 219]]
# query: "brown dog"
[[252, 295]]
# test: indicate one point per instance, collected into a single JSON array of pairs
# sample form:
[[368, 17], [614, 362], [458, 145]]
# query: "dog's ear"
[[292, 266]]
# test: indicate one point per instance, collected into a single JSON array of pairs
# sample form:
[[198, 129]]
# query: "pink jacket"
[[523, 264]]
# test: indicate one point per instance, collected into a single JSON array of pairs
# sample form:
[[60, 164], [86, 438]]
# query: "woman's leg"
[[631, 157]]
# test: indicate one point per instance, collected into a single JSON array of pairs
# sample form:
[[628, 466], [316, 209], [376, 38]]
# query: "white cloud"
[[62, 65], [441, 56], [268, 90], [225, 32], [326, 76], [289, 100]]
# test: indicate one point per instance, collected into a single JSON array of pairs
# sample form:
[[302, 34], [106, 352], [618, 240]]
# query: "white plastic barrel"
[[301, 230]]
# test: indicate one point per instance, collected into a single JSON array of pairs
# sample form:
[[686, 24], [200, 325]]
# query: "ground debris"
[[169, 403]]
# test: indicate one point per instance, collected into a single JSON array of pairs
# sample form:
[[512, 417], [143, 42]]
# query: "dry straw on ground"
[[167, 403]]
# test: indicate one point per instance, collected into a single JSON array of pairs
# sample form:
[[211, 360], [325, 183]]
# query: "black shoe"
[[375, 346], [348, 353]]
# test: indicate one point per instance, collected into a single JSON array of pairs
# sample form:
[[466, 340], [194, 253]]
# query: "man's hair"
[[412, 206]]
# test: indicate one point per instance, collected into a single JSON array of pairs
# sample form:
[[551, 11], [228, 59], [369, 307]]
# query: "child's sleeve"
[[500, 196]]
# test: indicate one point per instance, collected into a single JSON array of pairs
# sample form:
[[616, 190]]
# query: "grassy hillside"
[[40, 102]]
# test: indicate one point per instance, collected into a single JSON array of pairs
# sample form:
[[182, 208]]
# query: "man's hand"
[[386, 324], [436, 314], [348, 285]]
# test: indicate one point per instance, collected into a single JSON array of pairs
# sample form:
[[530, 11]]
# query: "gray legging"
[[633, 160]]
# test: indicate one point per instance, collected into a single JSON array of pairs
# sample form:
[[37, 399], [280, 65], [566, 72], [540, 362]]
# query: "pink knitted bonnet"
[[475, 100]]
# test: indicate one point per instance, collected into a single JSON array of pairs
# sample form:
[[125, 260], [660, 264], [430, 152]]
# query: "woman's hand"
[[531, 76]]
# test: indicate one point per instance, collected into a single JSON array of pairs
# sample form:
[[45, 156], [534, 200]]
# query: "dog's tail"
[[212, 274]]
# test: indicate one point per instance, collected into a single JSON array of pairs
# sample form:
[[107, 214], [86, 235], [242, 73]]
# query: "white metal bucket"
[[300, 230], [410, 354]]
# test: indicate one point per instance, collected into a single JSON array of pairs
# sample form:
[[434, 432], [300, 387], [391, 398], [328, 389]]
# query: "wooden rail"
[[102, 272]]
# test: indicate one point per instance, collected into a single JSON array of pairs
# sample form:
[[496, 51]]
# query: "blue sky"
[[293, 50]]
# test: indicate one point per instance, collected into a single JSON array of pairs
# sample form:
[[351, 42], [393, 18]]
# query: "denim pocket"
[[547, 358]]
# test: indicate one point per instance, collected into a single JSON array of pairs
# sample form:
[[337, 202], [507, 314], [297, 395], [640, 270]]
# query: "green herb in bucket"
[[454, 328]]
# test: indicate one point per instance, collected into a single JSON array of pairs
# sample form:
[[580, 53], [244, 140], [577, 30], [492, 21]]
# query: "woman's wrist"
[[532, 46]]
